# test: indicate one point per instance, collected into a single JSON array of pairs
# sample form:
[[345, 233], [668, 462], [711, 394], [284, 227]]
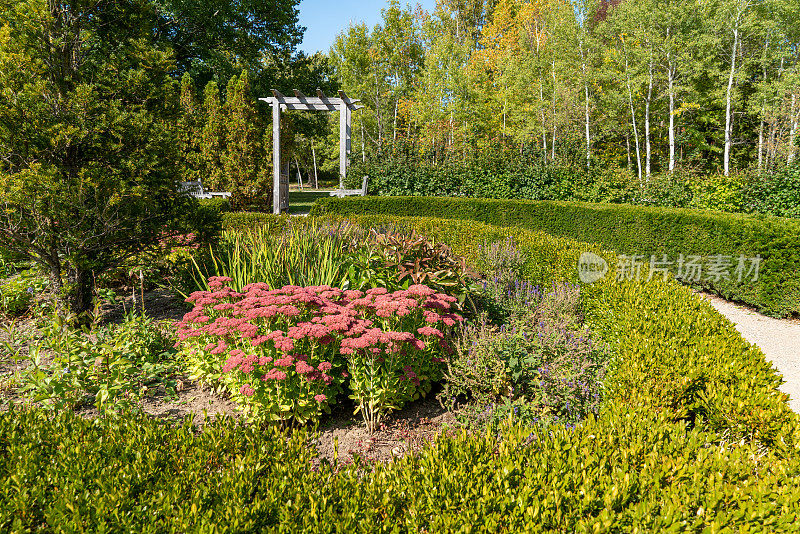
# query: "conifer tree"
[[242, 158], [190, 132], [212, 140]]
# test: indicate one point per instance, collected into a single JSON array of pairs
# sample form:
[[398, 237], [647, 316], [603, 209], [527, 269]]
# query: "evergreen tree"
[[87, 162], [189, 132], [243, 156], [213, 141]]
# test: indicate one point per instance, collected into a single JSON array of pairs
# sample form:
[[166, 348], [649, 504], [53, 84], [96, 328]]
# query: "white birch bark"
[[314, 156], [792, 131], [726, 163], [553, 144], [363, 150], [633, 118], [586, 102], [647, 117], [763, 111], [394, 124], [671, 91], [544, 127]]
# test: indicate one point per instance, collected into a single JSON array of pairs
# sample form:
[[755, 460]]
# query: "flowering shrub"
[[502, 260], [287, 353], [542, 365]]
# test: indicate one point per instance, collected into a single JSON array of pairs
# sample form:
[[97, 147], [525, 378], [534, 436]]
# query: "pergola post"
[[342, 144], [276, 159]]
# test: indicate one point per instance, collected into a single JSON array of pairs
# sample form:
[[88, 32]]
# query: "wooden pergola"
[[343, 104]]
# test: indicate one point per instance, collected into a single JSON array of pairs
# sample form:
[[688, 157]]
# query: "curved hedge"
[[631, 230], [692, 436]]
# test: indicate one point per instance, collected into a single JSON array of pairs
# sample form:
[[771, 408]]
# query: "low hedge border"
[[242, 220], [631, 230], [692, 436], [673, 350]]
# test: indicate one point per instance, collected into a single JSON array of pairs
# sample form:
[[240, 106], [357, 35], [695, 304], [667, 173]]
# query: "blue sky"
[[324, 19]]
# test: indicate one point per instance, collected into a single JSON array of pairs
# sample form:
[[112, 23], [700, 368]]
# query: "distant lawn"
[[301, 201]]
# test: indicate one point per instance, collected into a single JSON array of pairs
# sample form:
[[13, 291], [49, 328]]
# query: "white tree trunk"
[[671, 91], [314, 156], [544, 127], [299, 176], [586, 108], [761, 142], [633, 121], [378, 118], [553, 144], [394, 124], [726, 163], [647, 118], [792, 131], [671, 81], [763, 110], [363, 151], [451, 128]]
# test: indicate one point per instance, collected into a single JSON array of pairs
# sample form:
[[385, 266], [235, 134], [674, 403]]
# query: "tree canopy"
[[647, 84], [90, 106]]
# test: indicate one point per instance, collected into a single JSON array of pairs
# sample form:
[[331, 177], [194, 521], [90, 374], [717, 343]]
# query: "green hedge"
[[674, 350], [692, 436], [242, 220], [632, 230]]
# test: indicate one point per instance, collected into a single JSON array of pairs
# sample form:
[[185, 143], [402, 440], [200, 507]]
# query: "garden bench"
[[352, 192], [195, 189]]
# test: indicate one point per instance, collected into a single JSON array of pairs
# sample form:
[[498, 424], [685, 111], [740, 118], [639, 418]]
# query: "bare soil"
[[343, 435]]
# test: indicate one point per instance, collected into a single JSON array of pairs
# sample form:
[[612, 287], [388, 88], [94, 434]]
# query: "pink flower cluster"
[[306, 333], [320, 313]]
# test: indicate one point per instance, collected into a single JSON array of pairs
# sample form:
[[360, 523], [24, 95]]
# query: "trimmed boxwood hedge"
[[692, 436], [241, 220], [632, 230]]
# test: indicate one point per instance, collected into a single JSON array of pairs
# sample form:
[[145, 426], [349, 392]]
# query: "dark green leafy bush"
[[776, 193], [503, 171]]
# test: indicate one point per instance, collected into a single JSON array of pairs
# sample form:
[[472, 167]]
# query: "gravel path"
[[779, 339]]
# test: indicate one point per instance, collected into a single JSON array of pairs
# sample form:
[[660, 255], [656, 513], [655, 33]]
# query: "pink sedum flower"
[[274, 374]]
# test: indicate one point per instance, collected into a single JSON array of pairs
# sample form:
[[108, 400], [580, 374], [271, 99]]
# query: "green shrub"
[[216, 205], [110, 367], [677, 352], [718, 192], [777, 193], [632, 230], [245, 220], [18, 292]]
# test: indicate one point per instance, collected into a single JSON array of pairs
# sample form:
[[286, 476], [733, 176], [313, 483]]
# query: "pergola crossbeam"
[[300, 102]]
